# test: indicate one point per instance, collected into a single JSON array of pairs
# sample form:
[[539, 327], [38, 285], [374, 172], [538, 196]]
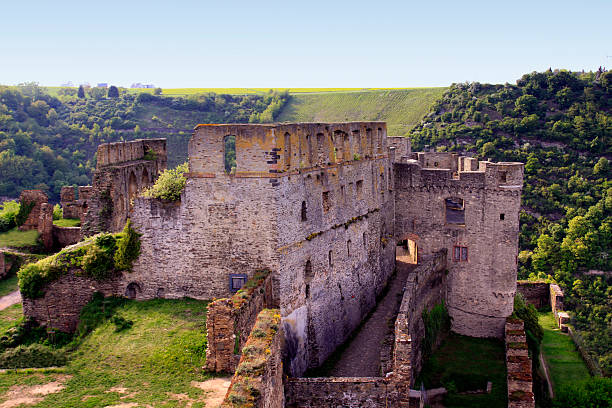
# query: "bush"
[[593, 393], [58, 213], [437, 323], [8, 211], [121, 323], [98, 260], [25, 209], [128, 248], [170, 184], [34, 355]]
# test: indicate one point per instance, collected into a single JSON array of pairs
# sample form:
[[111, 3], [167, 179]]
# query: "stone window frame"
[[446, 210], [460, 253], [234, 278]]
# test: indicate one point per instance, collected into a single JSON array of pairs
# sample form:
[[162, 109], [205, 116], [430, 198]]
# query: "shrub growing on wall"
[[169, 185], [25, 208], [128, 248]]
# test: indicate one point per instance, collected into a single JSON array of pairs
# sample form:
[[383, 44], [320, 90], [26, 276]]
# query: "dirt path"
[[10, 299], [362, 356]]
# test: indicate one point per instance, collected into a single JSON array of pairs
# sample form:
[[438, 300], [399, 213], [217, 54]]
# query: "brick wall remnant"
[[45, 225], [259, 377], [518, 364], [229, 323], [38, 197], [556, 299], [72, 206]]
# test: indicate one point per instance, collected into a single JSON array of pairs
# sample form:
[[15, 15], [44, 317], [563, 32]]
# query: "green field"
[[400, 108], [18, 239], [10, 316], [564, 361], [158, 361], [462, 361], [67, 222]]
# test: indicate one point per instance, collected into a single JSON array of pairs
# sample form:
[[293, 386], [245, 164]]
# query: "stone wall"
[[481, 237], [556, 299], [258, 381], [45, 225], [10, 262], [64, 298], [350, 392], [123, 170], [64, 236], [72, 206], [425, 287], [37, 197], [229, 323], [518, 364], [536, 293]]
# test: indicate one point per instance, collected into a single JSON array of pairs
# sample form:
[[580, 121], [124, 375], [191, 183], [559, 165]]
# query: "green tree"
[[113, 92], [81, 92]]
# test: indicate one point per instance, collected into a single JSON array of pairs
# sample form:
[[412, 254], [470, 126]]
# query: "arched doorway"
[[145, 178], [132, 186], [132, 290]]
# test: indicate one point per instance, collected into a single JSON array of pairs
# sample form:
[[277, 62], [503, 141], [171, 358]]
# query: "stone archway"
[[407, 250], [132, 290], [145, 179]]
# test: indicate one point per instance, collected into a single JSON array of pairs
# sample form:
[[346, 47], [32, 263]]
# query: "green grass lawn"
[[155, 362], [400, 108], [67, 222], [10, 316], [18, 239], [8, 285], [463, 359], [564, 361]]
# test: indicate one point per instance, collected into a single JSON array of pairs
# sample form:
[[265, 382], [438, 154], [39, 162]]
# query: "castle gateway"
[[325, 208]]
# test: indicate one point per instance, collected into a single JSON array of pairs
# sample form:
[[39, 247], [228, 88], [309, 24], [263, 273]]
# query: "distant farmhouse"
[[139, 85]]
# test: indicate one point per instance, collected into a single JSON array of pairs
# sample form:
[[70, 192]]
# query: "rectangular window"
[[455, 211], [326, 203], [237, 281], [460, 253]]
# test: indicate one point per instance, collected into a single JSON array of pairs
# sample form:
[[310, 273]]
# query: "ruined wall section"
[[38, 197], [482, 280], [335, 223], [224, 223], [74, 206], [123, 169]]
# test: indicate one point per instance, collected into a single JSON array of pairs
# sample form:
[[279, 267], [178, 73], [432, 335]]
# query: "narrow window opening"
[[329, 258], [502, 176], [360, 189], [308, 275], [304, 212], [326, 203], [502, 216], [229, 156], [379, 140], [348, 247], [455, 211], [288, 150], [365, 241]]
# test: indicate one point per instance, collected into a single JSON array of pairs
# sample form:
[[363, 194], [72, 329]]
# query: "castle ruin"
[[327, 209]]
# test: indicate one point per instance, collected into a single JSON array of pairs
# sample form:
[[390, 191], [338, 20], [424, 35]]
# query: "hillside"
[[559, 124], [47, 142], [402, 109]]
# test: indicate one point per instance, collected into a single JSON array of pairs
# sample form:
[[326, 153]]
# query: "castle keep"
[[327, 209]]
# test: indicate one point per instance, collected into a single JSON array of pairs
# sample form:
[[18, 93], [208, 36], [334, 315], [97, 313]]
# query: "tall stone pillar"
[[45, 225]]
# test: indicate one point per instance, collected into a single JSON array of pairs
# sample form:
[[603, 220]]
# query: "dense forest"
[[48, 142], [559, 124]]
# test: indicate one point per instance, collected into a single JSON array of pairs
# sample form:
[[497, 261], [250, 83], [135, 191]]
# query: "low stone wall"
[[425, 287], [61, 306], [536, 293], [229, 322], [518, 363], [64, 236], [365, 392], [10, 262], [258, 381]]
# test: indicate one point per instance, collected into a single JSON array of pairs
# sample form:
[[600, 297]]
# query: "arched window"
[[132, 186]]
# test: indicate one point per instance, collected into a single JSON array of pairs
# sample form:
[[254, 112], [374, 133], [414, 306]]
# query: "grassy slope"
[[8, 285], [10, 316], [160, 355], [67, 222], [564, 362], [468, 355], [15, 238], [401, 108]]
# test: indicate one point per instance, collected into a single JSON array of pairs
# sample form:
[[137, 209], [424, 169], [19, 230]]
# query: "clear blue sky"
[[308, 43]]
